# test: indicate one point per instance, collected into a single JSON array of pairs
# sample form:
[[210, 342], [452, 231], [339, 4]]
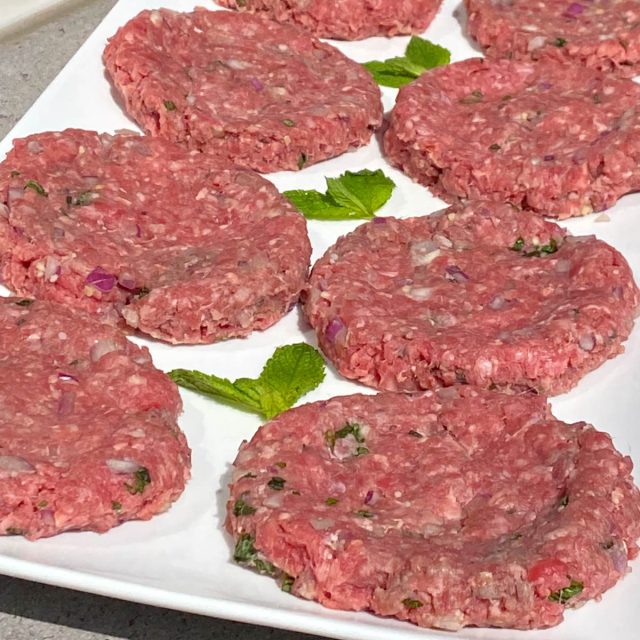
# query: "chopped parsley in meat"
[[242, 508], [276, 483], [37, 187], [563, 595], [412, 603], [141, 479]]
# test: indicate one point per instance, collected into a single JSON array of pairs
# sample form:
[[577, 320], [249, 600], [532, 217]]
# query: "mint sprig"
[[419, 56], [292, 371], [351, 196]]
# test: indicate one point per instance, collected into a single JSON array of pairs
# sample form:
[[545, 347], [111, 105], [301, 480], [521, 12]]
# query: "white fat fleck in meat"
[[417, 293]]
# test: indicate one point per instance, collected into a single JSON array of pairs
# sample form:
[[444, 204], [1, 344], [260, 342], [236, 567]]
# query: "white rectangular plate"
[[181, 559]]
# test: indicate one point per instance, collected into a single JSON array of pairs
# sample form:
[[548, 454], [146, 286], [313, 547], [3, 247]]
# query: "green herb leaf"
[[411, 603], [25, 302], [562, 595], [495, 147], [83, 198], [559, 42], [420, 55], [564, 501], [15, 174], [169, 105], [415, 434], [37, 187], [141, 479], [287, 583], [244, 551], [288, 122], [317, 206], [362, 192], [242, 508], [302, 160], [291, 372], [116, 506], [330, 502], [427, 54], [364, 513], [351, 196], [518, 245], [276, 483]]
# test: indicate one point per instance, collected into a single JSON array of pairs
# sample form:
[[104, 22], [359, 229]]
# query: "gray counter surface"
[[30, 611]]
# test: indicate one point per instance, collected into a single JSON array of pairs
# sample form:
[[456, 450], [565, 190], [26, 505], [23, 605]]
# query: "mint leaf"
[[420, 55], [316, 206], [351, 196], [292, 371], [364, 192], [219, 388], [426, 54], [562, 595], [388, 75]]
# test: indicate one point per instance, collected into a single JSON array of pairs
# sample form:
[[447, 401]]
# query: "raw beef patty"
[[481, 294], [453, 508], [88, 432], [601, 34], [242, 87], [559, 139], [346, 19], [143, 230]]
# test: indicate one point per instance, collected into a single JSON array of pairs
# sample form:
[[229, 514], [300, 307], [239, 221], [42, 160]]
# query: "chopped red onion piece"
[[549, 157], [574, 10], [321, 524], [14, 463], [587, 342], [256, 84], [89, 182], [619, 558], [51, 267], [379, 220], [66, 403], [333, 329], [101, 348], [122, 466], [66, 377], [47, 517], [58, 233], [15, 193], [34, 146], [101, 280], [129, 284], [456, 273], [545, 86], [372, 497]]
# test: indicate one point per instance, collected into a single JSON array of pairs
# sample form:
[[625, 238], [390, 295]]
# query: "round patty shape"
[[88, 432], [149, 233], [346, 19], [558, 139], [242, 87], [471, 294], [601, 34], [452, 508]]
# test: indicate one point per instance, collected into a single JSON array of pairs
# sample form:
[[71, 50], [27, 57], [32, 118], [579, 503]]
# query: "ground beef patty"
[[482, 295], [346, 19], [242, 87], [558, 139], [602, 34], [148, 232], [453, 508], [88, 432]]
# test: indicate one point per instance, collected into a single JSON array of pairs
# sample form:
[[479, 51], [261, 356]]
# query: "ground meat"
[[453, 508], [601, 34], [88, 432], [241, 87], [149, 234], [481, 294], [558, 139], [346, 19]]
